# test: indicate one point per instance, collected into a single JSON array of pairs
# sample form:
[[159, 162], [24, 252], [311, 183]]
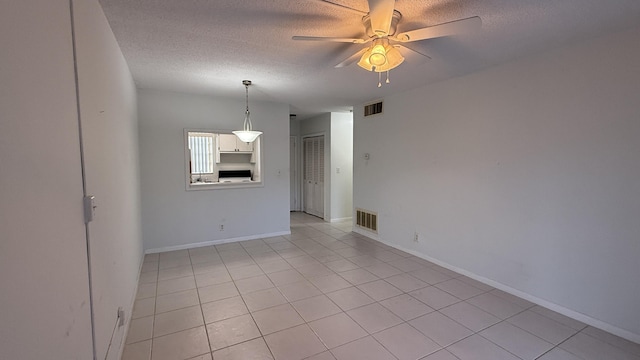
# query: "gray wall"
[[175, 218], [524, 175], [43, 254]]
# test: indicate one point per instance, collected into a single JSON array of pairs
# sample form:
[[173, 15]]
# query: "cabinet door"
[[243, 146], [227, 142]]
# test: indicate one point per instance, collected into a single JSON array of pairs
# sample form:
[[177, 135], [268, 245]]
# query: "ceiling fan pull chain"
[[388, 76], [379, 79]]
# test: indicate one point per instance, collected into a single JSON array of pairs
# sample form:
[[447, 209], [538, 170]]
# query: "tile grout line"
[[250, 314], [204, 321]]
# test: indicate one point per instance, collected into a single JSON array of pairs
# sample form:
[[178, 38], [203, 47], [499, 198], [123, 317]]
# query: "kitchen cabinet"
[[229, 143]]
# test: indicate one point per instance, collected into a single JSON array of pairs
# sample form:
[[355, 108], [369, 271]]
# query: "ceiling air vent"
[[367, 220], [373, 109]]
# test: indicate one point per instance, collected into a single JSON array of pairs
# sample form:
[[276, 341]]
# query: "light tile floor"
[[325, 293]]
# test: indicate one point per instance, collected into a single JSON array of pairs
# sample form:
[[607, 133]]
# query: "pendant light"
[[247, 134]]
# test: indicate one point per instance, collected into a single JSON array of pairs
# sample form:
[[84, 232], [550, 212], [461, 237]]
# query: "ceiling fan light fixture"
[[247, 134], [381, 25], [381, 56], [364, 61], [394, 57], [377, 59], [378, 56]]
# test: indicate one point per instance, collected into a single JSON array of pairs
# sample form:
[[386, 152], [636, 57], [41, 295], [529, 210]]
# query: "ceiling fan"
[[386, 50]]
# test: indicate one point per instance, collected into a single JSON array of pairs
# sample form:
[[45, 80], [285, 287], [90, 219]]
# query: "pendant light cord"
[[247, 119]]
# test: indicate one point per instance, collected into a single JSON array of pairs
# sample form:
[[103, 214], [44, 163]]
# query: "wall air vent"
[[373, 109], [367, 220]]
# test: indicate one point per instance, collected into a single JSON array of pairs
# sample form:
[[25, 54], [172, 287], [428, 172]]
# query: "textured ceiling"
[[210, 46]]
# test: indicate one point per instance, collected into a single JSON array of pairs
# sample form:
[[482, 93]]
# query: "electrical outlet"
[[416, 237], [221, 227]]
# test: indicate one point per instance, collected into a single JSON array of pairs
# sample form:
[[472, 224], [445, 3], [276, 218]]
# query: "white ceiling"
[[210, 46]]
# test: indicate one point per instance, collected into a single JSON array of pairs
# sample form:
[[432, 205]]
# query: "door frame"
[[296, 182], [302, 169]]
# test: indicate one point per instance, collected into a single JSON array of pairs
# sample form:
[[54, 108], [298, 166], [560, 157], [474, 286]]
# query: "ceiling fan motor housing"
[[366, 20]]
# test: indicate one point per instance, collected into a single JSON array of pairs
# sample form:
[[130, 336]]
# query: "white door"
[[314, 175]]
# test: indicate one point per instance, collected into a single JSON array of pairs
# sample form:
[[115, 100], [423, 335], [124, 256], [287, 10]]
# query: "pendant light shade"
[[247, 134]]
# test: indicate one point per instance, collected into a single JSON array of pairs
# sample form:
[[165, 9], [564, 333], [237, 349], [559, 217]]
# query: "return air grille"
[[373, 109], [367, 220]]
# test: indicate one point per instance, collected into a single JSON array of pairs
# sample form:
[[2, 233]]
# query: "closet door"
[[314, 175]]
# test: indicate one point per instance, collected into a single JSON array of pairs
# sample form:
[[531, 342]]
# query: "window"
[[219, 160], [201, 149]]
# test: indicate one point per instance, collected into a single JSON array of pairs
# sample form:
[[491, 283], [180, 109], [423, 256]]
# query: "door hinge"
[[89, 208]]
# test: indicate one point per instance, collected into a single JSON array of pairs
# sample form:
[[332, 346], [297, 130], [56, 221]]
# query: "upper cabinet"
[[229, 143], [243, 146]]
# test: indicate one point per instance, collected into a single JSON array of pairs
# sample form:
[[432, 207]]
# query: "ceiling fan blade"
[[381, 13], [451, 28], [411, 55], [351, 59], [344, 7], [331, 39]]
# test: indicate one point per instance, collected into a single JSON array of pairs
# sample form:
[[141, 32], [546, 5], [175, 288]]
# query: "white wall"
[[341, 158], [43, 255], [173, 217], [294, 127], [317, 125], [44, 293], [295, 169], [525, 174], [110, 143], [337, 129]]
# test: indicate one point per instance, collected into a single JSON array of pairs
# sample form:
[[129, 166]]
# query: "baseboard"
[[340, 219], [370, 235], [214, 242], [129, 313], [628, 335]]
